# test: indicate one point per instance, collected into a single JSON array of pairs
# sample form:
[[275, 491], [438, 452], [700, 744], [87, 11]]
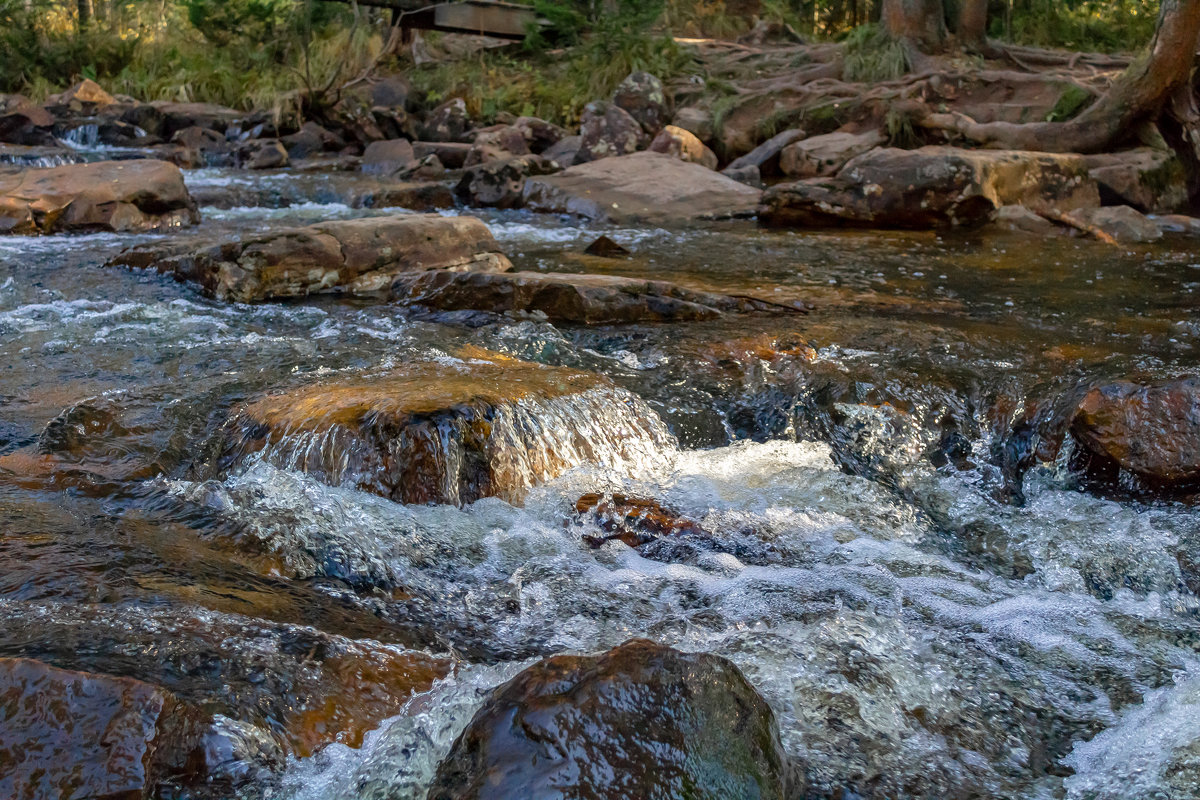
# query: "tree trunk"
[[84, 9], [921, 22], [972, 24], [1139, 93]]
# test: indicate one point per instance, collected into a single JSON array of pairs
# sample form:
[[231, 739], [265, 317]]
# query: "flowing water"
[[915, 584]]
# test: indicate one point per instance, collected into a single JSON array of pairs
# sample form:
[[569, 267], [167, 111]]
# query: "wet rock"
[[607, 130], [569, 298], [263, 154], [452, 154], [697, 121], [415, 196], [358, 256], [1177, 223], [425, 168], [931, 187], [1152, 181], [645, 99], [643, 187], [767, 155], [634, 521], [683, 145], [749, 175], [210, 147], [822, 156], [605, 247], [565, 150], [499, 143], [449, 122], [75, 734], [539, 134], [641, 720], [446, 432], [85, 97], [388, 157], [111, 132], [1125, 224], [1150, 431], [108, 195], [23, 123], [501, 184], [299, 686]]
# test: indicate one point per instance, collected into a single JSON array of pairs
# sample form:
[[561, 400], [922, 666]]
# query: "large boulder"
[[85, 97], [140, 195], [79, 735], [643, 187], [1149, 431], [569, 297], [1152, 181], [449, 430], [645, 99], [822, 156], [608, 130], [641, 720], [684, 145], [359, 256], [932, 187], [501, 183], [388, 157]]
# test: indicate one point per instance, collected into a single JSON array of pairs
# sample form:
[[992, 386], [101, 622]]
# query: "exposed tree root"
[[1070, 221]]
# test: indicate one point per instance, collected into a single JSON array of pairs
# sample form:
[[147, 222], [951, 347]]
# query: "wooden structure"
[[495, 18]]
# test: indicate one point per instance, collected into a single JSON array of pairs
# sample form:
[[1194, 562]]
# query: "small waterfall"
[[464, 451], [37, 157], [83, 137]]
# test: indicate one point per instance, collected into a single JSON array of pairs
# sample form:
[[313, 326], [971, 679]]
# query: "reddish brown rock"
[[138, 195], [641, 720], [635, 521], [79, 735], [1150, 431], [358, 256], [440, 432], [569, 297]]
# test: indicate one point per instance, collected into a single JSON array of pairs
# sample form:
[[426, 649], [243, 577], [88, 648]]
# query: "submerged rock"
[[932, 187], [450, 431], [359, 256], [570, 298], [76, 734], [1152, 432], [139, 195], [643, 187], [641, 720]]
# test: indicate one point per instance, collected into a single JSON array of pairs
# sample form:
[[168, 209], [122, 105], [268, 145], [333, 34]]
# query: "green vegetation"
[[256, 53], [1073, 100]]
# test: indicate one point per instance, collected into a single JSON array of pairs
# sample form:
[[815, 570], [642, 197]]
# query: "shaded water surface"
[[913, 582]]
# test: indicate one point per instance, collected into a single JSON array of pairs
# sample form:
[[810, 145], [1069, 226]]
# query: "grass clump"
[[871, 56]]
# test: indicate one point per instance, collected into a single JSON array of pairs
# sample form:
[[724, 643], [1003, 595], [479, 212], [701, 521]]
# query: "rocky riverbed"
[[310, 496]]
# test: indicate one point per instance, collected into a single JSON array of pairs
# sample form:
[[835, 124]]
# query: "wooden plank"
[[491, 19]]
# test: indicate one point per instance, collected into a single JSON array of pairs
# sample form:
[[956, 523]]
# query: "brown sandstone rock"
[[634, 521], [1152, 181], [1151, 431], [697, 121], [84, 97], [108, 195], [569, 298], [439, 432], [1125, 224], [75, 734], [683, 145], [643, 187], [539, 134], [932, 187], [23, 123], [452, 154], [263, 154], [641, 720], [388, 157], [342, 256]]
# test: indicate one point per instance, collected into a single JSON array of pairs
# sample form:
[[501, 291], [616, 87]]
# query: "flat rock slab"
[[359, 256], [570, 298], [932, 187], [77, 734], [450, 431], [140, 195], [641, 187]]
